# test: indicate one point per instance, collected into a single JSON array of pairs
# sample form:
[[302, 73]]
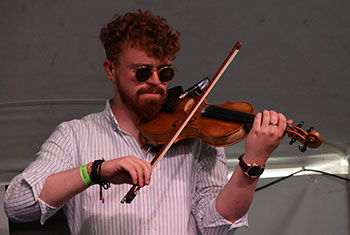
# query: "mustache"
[[153, 90]]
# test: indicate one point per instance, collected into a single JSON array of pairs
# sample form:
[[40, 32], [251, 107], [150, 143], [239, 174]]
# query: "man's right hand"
[[129, 169]]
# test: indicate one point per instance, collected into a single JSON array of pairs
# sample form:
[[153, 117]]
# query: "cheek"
[[164, 87], [125, 83]]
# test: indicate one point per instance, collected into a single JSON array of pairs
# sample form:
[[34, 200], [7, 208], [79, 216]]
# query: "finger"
[[147, 172], [144, 172], [282, 123], [140, 174], [273, 118], [131, 170], [257, 121], [265, 119]]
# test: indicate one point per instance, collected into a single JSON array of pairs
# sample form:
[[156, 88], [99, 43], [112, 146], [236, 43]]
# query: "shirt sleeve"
[[22, 202], [210, 179]]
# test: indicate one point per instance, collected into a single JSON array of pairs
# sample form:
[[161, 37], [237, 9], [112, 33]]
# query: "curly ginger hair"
[[142, 29]]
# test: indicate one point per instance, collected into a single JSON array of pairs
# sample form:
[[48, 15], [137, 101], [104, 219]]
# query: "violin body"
[[217, 125], [213, 132]]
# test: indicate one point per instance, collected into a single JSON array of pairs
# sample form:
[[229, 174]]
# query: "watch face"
[[255, 171]]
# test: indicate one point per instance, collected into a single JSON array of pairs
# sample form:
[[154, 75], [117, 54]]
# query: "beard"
[[146, 108]]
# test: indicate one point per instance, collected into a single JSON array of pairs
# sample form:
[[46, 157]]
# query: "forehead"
[[137, 56]]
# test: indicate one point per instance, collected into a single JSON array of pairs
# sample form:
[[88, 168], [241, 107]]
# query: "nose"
[[154, 79]]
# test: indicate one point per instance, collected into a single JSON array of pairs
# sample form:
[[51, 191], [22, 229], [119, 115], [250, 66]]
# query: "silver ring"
[[273, 124]]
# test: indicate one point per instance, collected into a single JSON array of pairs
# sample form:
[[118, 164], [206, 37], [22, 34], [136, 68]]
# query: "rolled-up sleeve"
[[210, 179], [22, 202]]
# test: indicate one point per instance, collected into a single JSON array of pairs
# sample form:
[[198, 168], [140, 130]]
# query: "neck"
[[127, 119]]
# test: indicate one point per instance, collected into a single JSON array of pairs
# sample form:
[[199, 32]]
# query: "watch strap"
[[252, 170]]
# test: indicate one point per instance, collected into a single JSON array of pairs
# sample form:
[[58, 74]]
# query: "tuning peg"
[[302, 147], [292, 141], [310, 129], [300, 124]]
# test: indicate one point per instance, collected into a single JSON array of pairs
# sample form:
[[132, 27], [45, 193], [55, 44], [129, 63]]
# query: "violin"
[[189, 110], [217, 125]]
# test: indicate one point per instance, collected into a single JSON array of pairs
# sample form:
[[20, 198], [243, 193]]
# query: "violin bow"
[[135, 189]]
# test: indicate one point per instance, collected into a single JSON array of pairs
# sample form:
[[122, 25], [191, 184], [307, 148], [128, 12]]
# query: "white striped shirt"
[[179, 200]]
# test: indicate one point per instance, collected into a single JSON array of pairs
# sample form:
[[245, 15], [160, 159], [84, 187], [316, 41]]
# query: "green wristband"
[[85, 176]]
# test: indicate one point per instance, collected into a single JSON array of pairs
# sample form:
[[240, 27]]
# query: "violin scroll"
[[309, 138]]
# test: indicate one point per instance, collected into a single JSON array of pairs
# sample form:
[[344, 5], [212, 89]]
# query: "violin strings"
[[216, 111], [222, 112], [212, 111]]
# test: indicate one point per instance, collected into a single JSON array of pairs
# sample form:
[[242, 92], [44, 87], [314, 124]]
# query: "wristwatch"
[[252, 170]]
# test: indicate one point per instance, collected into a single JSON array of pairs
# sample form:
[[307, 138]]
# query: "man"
[[189, 188]]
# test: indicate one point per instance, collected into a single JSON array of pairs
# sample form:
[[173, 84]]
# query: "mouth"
[[150, 95], [156, 92]]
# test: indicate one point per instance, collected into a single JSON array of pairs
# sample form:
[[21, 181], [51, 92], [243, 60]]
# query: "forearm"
[[235, 198], [20, 204], [60, 187], [264, 137]]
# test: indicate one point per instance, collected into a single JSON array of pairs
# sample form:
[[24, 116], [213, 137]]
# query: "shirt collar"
[[110, 116]]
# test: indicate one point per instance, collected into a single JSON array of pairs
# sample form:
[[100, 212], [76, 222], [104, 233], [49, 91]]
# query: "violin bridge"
[[188, 105]]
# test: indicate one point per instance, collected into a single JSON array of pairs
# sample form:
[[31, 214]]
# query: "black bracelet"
[[96, 174], [95, 177], [104, 184]]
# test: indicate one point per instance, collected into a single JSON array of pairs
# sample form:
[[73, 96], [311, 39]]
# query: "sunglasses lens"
[[142, 74], [166, 74]]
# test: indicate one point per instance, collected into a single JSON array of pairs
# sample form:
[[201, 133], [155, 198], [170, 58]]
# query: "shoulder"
[[90, 120], [77, 128]]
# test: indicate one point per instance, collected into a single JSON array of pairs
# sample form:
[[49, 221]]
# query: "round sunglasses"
[[143, 72]]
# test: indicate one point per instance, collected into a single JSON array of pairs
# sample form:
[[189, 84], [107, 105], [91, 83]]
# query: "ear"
[[108, 66]]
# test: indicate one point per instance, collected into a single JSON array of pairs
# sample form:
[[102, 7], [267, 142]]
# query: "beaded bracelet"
[[85, 176]]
